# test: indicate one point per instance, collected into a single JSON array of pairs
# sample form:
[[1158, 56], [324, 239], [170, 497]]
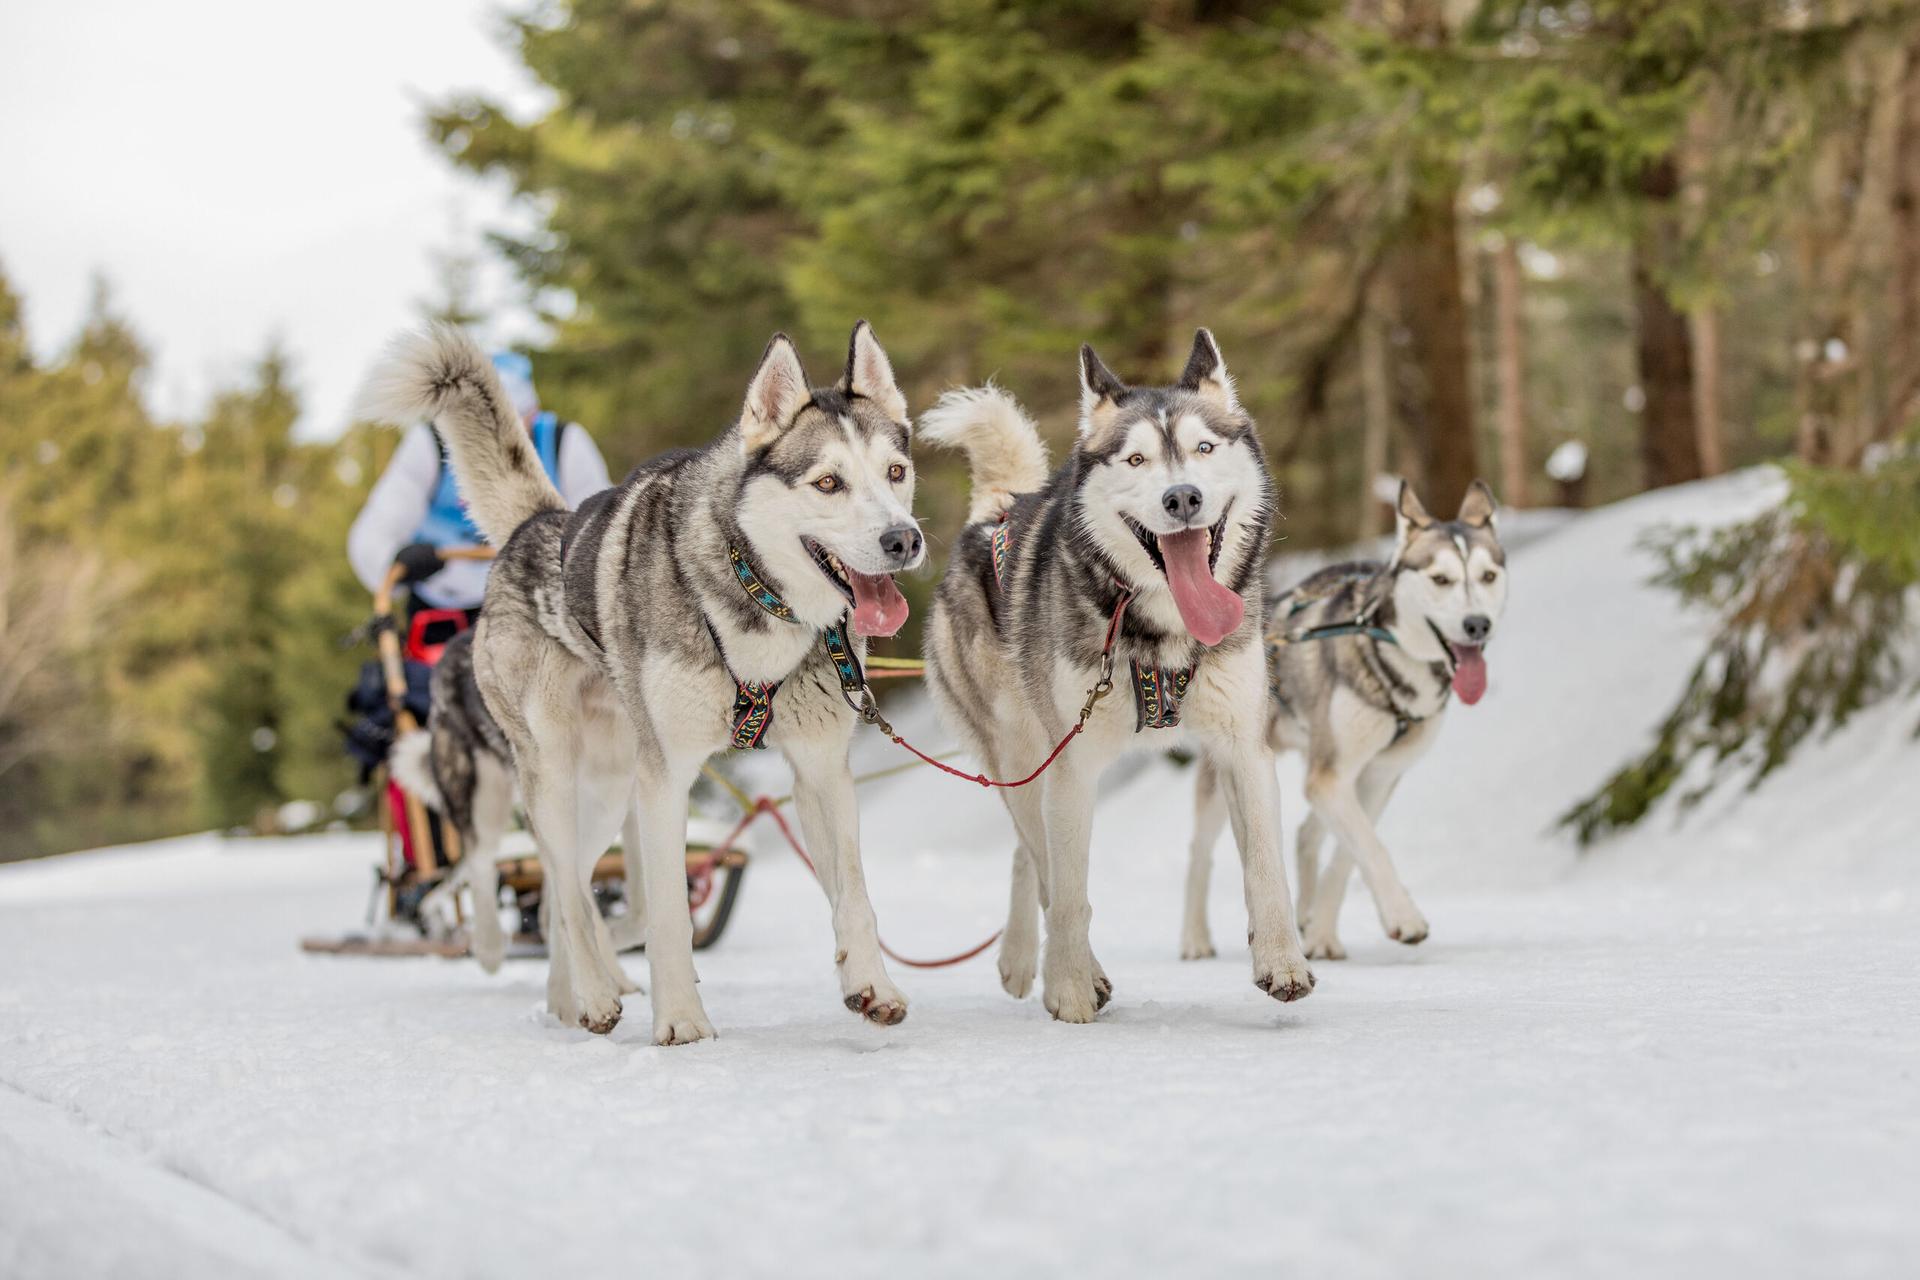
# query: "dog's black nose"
[[1182, 501], [901, 543], [1477, 626]]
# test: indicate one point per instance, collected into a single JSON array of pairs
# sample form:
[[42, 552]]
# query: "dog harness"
[[753, 700], [1362, 625], [1157, 691]]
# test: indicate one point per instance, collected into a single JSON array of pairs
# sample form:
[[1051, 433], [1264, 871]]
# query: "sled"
[[421, 852]]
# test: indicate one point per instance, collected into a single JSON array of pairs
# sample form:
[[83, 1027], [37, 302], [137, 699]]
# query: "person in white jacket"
[[414, 508]]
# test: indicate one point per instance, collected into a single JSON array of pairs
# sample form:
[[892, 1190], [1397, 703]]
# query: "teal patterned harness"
[[753, 700]]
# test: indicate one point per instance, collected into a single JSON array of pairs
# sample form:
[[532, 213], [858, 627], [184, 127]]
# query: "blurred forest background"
[[1642, 241]]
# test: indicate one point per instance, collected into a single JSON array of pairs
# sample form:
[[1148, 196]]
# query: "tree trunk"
[[1436, 400], [1376, 398], [1904, 382], [1706, 391], [1669, 442], [1511, 361], [1436, 391]]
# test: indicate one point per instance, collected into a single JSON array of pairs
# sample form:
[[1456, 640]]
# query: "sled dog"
[[1154, 531], [717, 597], [1364, 658], [461, 767]]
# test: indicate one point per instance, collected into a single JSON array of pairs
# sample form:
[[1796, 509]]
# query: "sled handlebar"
[[397, 572]]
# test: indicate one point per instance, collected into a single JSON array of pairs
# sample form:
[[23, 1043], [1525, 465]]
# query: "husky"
[[717, 597], [461, 767], [1364, 659], [1153, 533]]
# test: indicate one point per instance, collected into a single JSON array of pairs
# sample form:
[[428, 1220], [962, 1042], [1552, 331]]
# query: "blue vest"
[[447, 523]]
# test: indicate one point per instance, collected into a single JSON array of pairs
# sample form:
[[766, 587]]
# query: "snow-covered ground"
[[1691, 1052]]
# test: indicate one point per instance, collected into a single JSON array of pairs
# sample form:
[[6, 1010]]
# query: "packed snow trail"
[[1692, 1052]]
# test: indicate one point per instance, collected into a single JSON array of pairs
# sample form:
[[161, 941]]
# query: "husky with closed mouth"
[[1365, 658], [718, 597], [1153, 533], [461, 767]]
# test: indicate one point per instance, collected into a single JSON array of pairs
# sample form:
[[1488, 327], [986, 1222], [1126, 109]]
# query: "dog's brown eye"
[[1442, 580], [1488, 577], [1205, 446], [896, 473], [827, 484], [1137, 460]]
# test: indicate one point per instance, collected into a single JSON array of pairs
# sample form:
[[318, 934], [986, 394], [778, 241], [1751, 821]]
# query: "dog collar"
[[1157, 693], [756, 588]]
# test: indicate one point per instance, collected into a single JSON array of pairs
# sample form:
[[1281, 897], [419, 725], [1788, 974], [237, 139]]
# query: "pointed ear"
[[870, 373], [1478, 508], [1409, 515], [778, 392], [1206, 373], [1099, 391]]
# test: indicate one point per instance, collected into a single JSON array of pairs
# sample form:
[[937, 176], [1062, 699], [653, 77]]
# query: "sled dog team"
[[722, 598]]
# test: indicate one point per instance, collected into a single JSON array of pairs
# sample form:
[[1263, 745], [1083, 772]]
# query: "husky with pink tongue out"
[[1366, 657], [1146, 548]]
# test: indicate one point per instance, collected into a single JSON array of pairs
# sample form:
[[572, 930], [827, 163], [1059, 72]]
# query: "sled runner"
[[417, 908]]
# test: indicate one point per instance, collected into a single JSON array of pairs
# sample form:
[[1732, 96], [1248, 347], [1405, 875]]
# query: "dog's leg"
[[1306, 861], [605, 954], [1253, 803], [1069, 988], [1209, 817], [492, 812], [830, 821], [1019, 957], [1020, 940], [660, 800], [553, 808], [630, 930], [1347, 804]]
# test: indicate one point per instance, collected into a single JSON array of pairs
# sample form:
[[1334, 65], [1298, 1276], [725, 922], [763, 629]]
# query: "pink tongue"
[[878, 607], [1211, 612], [1469, 672]]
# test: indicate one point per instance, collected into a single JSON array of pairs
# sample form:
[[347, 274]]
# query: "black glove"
[[421, 561]]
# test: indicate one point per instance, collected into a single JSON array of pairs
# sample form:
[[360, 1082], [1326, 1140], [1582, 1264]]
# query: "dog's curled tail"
[[1003, 447], [440, 375], [411, 763]]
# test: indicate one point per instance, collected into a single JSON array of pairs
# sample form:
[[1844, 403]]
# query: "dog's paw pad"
[[888, 1010], [1411, 933], [1294, 982], [602, 1021]]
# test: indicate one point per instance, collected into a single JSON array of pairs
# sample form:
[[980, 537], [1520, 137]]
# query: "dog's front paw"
[[1287, 979], [1016, 969], [1406, 925], [490, 948], [1196, 944], [600, 1016], [1323, 946], [684, 1026], [1076, 993], [881, 1004]]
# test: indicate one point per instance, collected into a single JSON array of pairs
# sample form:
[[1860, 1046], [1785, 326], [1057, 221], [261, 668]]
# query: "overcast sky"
[[242, 168]]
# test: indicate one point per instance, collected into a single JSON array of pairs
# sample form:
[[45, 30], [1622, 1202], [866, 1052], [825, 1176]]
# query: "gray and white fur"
[[612, 637], [1010, 659], [461, 767], [1363, 709]]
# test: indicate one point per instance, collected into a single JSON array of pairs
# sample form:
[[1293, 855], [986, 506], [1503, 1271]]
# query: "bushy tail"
[[440, 375], [1003, 448], [411, 762]]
